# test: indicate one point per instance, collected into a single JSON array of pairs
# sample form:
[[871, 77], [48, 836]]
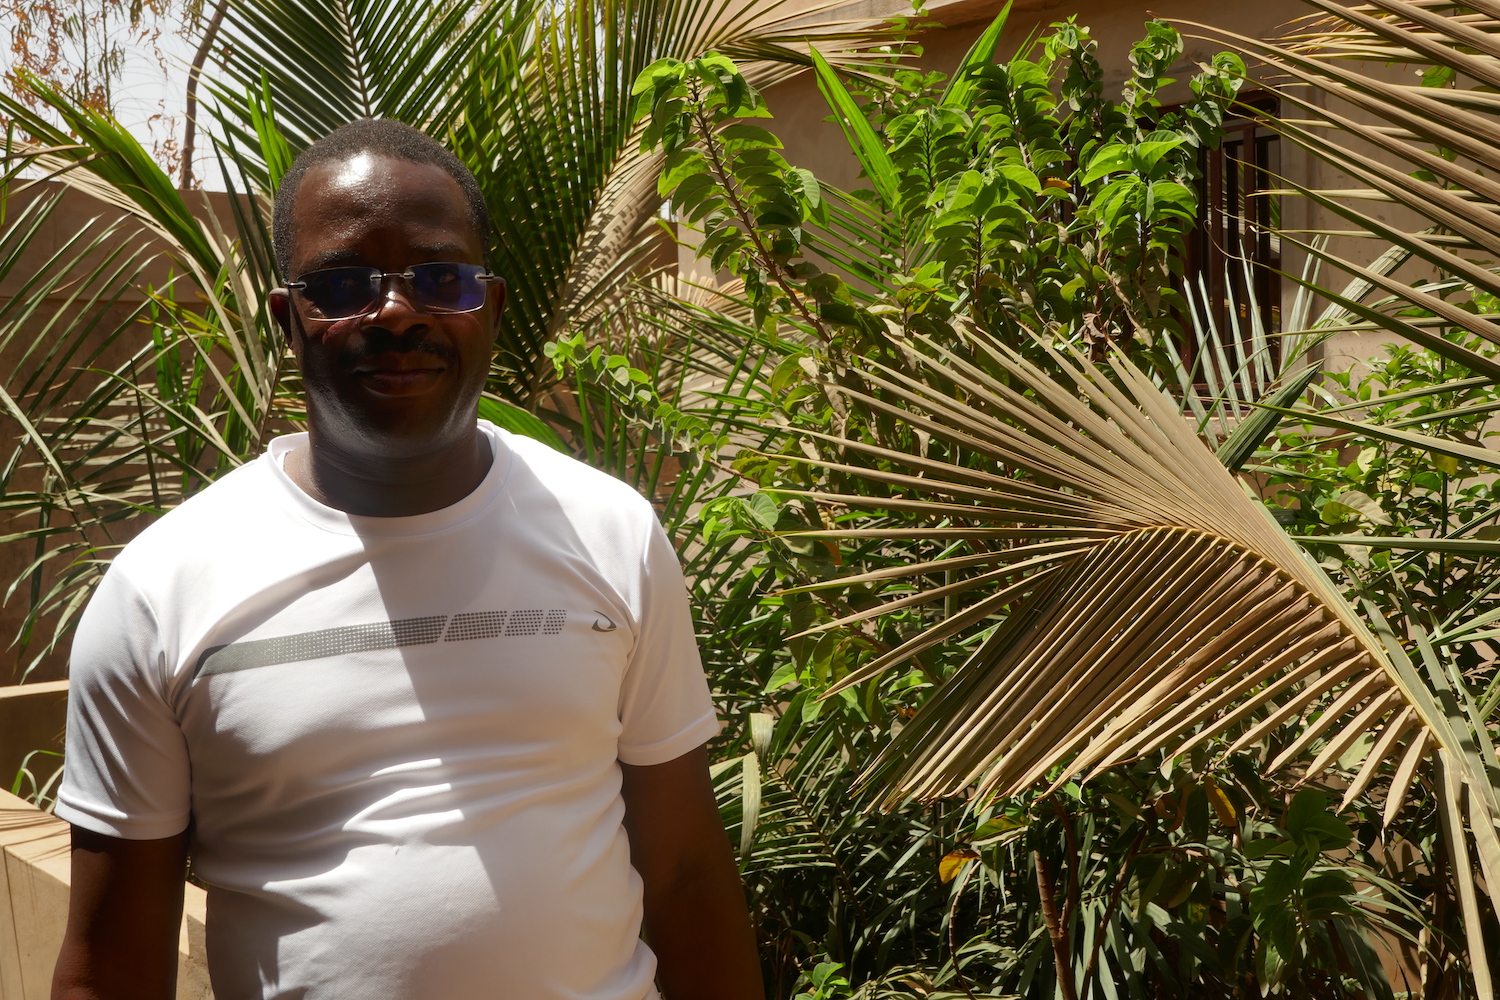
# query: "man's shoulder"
[[576, 486], [202, 526]]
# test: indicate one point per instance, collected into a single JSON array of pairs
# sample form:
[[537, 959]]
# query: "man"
[[419, 697]]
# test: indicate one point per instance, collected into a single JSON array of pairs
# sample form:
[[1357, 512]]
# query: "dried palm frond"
[[1429, 148], [1395, 100], [1155, 604]]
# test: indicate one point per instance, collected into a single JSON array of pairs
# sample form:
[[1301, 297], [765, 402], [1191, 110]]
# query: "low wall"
[[31, 718], [34, 871]]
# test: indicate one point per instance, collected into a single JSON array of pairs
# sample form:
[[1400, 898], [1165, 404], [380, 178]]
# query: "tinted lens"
[[447, 287], [339, 292]]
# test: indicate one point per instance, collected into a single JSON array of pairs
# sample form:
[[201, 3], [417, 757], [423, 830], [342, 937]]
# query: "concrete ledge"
[[34, 875], [31, 718]]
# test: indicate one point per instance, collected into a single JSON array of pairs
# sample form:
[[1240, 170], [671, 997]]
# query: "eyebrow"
[[343, 256]]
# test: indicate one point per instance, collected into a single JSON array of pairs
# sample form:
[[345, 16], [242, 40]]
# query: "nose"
[[396, 308]]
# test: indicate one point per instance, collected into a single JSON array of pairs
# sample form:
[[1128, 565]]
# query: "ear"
[[279, 302], [497, 292]]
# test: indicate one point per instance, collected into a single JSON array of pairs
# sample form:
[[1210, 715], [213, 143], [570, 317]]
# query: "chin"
[[403, 428]]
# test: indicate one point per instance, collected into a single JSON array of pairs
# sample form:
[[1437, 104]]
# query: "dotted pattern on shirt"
[[475, 625], [527, 622], [417, 631], [379, 635], [323, 643]]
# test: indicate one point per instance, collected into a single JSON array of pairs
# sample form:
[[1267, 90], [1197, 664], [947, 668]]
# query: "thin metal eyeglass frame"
[[298, 286]]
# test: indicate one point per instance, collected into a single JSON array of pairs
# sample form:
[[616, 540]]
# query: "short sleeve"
[[126, 765], [665, 708]]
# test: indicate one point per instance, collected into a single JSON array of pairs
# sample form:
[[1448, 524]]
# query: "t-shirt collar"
[[332, 519]]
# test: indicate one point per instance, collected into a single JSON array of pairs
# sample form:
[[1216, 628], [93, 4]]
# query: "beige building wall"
[[31, 732], [818, 145]]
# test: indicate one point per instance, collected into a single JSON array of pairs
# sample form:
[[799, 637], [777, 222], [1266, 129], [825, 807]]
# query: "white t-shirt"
[[396, 738]]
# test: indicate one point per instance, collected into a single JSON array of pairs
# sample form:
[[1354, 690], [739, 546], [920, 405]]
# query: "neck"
[[374, 486]]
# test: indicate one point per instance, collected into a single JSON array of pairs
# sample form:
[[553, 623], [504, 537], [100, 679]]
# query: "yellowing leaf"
[[1354, 503], [953, 862], [1222, 806]]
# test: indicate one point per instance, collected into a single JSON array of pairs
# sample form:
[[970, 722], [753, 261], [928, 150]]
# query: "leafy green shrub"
[[1016, 197]]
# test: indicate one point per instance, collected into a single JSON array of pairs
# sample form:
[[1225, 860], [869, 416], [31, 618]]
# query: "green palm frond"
[[534, 97], [328, 62], [560, 162], [110, 166]]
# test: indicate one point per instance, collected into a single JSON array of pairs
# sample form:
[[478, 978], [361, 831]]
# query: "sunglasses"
[[341, 292]]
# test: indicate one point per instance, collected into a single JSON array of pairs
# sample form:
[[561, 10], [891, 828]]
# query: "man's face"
[[398, 381]]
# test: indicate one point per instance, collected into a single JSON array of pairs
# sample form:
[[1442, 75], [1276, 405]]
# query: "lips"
[[399, 375]]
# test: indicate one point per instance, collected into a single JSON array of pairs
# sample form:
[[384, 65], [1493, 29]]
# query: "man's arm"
[[695, 905], [124, 916]]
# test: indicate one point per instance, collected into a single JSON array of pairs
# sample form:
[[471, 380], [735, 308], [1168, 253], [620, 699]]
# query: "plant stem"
[[1055, 930], [726, 181], [1073, 889]]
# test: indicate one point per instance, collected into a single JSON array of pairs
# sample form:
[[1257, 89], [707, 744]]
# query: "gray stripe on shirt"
[[377, 635], [317, 645]]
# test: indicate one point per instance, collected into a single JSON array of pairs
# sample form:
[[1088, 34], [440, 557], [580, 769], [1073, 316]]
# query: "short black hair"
[[386, 137]]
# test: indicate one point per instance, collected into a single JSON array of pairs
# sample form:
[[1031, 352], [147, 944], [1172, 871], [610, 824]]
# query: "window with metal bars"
[[1232, 278]]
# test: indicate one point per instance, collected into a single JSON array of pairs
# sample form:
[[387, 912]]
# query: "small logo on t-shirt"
[[607, 626]]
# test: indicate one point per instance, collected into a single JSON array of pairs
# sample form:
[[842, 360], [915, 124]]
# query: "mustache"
[[377, 341]]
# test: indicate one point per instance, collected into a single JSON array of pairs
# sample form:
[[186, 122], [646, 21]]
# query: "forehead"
[[369, 205]]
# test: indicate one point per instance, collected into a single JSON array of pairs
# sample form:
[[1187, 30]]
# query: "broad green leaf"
[[764, 510], [1308, 815], [750, 135], [1112, 158], [664, 70], [1148, 154], [1177, 197], [681, 164], [1021, 177], [519, 421], [1362, 505]]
